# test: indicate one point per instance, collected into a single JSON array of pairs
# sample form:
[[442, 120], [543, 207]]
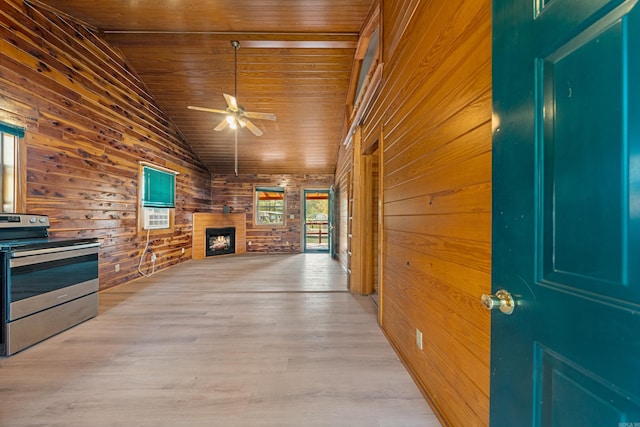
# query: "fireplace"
[[220, 241]]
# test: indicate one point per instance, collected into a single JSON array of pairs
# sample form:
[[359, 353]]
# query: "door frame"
[[328, 192]]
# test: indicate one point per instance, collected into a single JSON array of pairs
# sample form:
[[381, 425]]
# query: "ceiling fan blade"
[[223, 124], [253, 128], [208, 110], [231, 101], [262, 116]]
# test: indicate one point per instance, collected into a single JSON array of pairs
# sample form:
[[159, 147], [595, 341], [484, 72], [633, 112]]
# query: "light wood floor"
[[247, 340]]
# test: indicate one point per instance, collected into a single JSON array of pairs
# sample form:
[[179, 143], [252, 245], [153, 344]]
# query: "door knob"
[[502, 300]]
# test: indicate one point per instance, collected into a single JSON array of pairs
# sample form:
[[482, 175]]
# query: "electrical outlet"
[[249, 243], [153, 257], [419, 338], [182, 251], [117, 267]]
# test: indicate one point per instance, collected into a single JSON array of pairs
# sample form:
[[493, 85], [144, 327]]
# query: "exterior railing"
[[318, 228]]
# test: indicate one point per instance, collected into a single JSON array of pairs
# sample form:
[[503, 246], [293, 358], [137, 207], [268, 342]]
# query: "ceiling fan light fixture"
[[236, 116]]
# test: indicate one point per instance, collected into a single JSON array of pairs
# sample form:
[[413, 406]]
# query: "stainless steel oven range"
[[48, 284]]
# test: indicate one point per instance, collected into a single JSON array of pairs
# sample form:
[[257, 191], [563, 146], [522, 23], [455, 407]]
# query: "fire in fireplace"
[[220, 241]]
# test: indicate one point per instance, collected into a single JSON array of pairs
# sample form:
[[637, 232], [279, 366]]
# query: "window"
[[157, 197], [9, 137], [269, 205], [158, 187]]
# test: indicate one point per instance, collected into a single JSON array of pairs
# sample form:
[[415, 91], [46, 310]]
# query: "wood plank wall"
[[89, 121], [375, 217], [237, 192], [433, 111]]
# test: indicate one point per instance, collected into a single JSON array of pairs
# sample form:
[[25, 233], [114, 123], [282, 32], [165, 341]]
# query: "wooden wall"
[[375, 220], [89, 120], [237, 192], [432, 118]]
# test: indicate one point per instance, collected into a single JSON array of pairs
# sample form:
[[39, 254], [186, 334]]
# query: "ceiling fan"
[[237, 116]]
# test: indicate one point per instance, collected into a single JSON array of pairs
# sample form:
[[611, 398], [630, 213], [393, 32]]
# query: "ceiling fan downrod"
[[236, 46], [235, 114]]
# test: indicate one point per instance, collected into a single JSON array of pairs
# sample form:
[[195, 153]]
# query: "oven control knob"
[[32, 220], [43, 220]]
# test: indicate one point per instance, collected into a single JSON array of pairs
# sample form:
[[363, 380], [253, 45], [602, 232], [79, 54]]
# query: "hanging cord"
[[153, 258]]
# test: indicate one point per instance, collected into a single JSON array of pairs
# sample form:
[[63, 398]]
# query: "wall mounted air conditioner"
[[155, 218]]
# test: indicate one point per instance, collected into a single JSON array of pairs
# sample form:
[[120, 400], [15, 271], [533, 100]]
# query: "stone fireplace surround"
[[202, 221]]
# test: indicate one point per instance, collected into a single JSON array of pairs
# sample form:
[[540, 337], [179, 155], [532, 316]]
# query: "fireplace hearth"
[[220, 241]]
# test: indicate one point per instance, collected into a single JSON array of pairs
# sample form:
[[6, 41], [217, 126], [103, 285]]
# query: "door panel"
[[566, 223], [554, 18], [584, 164], [576, 396]]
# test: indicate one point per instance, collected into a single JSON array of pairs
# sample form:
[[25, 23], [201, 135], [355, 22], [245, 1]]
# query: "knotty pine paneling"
[[375, 219], [89, 120], [396, 20], [432, 113], [437, 141], [237, 192]]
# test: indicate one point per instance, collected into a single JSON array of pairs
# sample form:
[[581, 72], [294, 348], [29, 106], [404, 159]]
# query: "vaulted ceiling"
[[295, 60]]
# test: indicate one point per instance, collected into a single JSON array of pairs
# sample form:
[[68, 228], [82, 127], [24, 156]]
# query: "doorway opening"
[[317, 228]]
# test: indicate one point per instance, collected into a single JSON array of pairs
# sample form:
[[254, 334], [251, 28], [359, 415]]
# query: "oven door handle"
[[35, 256]]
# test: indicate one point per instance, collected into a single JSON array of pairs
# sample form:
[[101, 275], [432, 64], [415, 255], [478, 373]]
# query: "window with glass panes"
[[269, 205], [9, 137]]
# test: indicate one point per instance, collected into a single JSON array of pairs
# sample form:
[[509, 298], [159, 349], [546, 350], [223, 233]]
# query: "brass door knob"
[[502, 300]]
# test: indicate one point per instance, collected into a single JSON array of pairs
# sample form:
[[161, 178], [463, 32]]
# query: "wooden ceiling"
[[295, 60]]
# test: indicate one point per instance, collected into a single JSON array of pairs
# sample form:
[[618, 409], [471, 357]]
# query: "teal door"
[[566, 207]]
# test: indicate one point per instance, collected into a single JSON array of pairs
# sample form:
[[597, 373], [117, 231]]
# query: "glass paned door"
[[316, 221]]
